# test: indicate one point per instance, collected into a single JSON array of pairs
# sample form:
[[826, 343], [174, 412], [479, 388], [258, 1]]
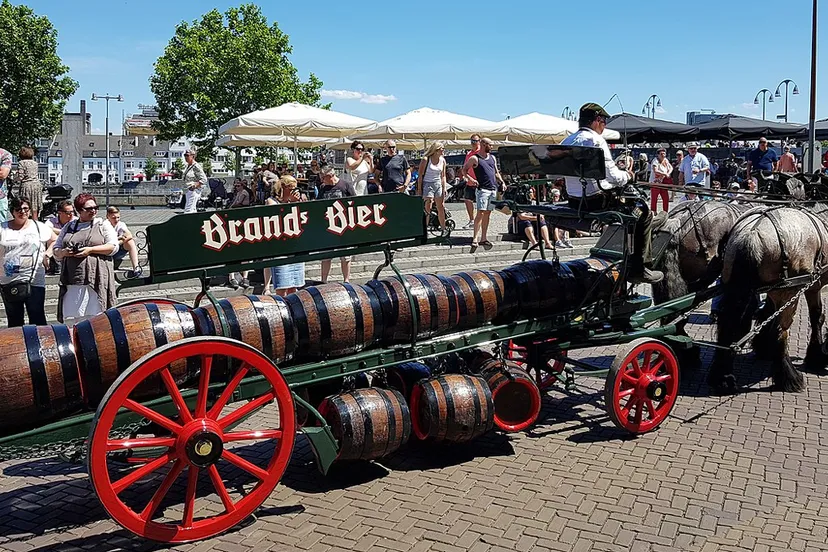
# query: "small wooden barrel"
[[404, 376], [436, 306], [334, 319], [262, 321], [517, 399], [452, 407], [40, 379], [544, 287], [107, 344], [368, 423], [481, 296]]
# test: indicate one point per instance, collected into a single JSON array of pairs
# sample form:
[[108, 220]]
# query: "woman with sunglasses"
[[23, 245], [87, 278], [358, 165], [284, 279], [431, 182]]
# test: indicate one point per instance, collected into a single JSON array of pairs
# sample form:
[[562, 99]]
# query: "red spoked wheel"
[[546, 375], [220, 487], [642, 386]]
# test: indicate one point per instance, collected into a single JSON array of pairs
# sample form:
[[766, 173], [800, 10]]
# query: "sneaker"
[[568, 244], [559, 244], [135, 273], [469, 225], [245, 283], [233, 284], [646, 277]]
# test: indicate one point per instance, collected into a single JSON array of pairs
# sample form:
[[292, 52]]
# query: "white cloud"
[[660, 109], [363, 97], [750, 106]]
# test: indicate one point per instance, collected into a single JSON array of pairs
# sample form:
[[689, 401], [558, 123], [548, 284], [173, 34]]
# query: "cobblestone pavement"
[[747, 472]]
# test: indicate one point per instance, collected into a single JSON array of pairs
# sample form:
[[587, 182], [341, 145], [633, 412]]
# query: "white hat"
[[692, 145], [735, 186]]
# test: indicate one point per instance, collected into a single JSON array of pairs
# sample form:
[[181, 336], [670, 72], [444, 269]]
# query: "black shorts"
[[524, 224], [469, 193]]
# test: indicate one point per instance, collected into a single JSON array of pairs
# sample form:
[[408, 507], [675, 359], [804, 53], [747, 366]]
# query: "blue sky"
[[487, 59]]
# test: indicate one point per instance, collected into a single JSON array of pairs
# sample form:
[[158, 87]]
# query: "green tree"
[[34, 86], [177, 167], [223, 66], [150, 168], [233, 162]]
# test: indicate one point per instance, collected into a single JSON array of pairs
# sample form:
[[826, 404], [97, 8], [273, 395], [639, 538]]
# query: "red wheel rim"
[[194, 437], [642, 388], [534, 407]]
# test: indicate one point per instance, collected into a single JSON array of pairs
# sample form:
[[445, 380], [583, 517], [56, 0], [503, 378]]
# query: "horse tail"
[[739, 298]]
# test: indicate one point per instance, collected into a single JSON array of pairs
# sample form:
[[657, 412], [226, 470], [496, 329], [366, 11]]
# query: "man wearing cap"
[[194, 178], [694, 169], [787, 163], [588, 195], [762, 158]]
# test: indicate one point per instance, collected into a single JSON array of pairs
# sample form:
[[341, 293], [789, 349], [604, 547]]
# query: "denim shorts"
[[433, 189], [484, 199]]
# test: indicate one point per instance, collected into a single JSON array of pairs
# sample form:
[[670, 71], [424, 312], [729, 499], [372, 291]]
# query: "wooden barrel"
[[517, 399], [40, 379], [368, 423], [435, 304], [404, 376], [107, 344], [334, 319], [482, 297], [262, 321], [452, 407]]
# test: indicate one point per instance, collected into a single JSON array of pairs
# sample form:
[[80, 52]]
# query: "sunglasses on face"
[[72, 212], [359, 149], [474, 141], [22, 210], [92, 209], [391, 147]]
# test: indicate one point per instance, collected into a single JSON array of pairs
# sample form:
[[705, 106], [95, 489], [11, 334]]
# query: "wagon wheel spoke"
[[626, 392], [153, 416], [663, 378], [243, 464], [259, 434], [149, 511], [246, 410], [647, 364], [140, 473], [224, 398], [203, 386], [632, 400], [651, 408], [628, 379], [639, 408], [657, 366], [215, 477], [178, 400], [143, 442], [189, 497], [636, 368]]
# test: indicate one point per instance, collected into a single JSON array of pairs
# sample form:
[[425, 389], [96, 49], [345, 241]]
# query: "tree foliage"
[[150, 168], [177, 168], [223, 66], [34, 86]]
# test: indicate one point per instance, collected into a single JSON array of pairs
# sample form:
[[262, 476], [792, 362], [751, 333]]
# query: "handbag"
[[19, 292]]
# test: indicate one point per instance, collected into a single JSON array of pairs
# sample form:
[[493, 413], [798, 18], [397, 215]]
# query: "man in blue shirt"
[[762, 158]]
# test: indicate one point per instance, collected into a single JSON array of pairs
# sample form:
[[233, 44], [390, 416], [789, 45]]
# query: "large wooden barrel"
[[316, 393], [404, 376], [482, 298], [517, 399], [262, 321], [107, 344], [39, 373], [435, 304], [368, 423], [452, 407], [546, 287], [334, 319]]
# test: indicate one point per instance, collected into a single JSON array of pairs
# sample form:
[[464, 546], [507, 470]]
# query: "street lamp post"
[[649, 108], [568, 114], [107, 97], [777, 94], [766, 97]]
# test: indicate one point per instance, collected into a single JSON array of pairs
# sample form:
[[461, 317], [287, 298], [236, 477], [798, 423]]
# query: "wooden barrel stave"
[[482, 294], [39, 376], [335, 319], [368, 423], [516, 397], [107, 344], [436, 306], [452, 407]]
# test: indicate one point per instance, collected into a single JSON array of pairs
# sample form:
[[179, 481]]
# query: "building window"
[[129, 153], [54, 165], [179, 144], [175, 154], [160, 154], [59, 153], [128, 165], [100, 165]]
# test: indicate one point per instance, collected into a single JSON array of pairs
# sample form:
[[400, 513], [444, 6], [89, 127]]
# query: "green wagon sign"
[[214, 238]]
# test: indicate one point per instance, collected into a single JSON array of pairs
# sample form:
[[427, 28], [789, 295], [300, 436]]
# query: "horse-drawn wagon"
[[159, 395]]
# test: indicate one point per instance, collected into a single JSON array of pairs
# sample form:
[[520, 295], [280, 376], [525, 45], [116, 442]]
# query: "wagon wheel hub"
[[203, 444], [656, 390]]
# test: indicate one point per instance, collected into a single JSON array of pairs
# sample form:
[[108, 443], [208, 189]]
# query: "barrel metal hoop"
[[415, 319]]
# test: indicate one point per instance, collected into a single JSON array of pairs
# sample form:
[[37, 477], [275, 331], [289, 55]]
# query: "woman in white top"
[[85, 247], [358, 165], [661, 173], [431, 181], [23, 245], [194, 178]]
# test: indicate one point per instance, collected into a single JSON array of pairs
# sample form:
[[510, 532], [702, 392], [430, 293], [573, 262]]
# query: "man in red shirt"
[[469, 193]]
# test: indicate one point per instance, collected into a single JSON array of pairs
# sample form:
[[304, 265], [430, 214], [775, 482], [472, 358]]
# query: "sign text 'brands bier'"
[[342, 216]]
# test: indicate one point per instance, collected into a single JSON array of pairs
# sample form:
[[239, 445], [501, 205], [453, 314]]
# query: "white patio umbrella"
[[297, 121], [539, 128], [433, 124], [280, 141]]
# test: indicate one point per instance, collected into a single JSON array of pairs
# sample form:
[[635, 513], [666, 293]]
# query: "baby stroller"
[[54, 195], [218, 198], [434, 222]]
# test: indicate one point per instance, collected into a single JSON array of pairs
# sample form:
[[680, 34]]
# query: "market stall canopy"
[[736, 127], [294, 120], [540, 128], [822, 129], [433, 124], [643, 129]]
